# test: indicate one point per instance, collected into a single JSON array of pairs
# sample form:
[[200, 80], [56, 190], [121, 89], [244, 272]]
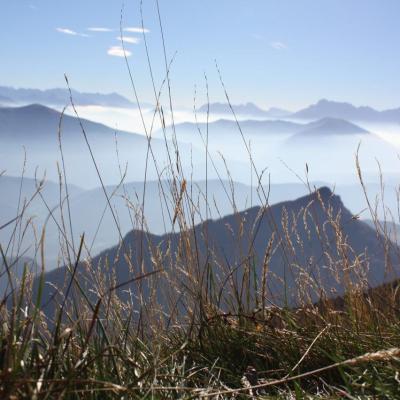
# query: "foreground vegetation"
[[344, 347], [103, 347], [346, 350]]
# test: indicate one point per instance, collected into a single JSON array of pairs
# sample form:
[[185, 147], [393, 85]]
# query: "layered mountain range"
[[319, 135], [60, 97], [322, 109], [301, 250]]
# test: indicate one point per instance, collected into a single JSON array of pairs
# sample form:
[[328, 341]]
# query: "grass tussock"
[[333, 349], [198, 327]]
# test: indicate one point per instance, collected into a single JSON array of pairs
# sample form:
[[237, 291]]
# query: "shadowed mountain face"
[[61, 97], [332, 109], [290, 253]]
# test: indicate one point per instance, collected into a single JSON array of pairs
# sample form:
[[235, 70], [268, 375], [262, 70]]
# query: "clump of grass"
[[322, 351], [207, 336]]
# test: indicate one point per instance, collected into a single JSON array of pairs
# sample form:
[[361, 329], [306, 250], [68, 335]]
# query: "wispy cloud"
[[278, 45], [100, 29], [136, 30], [67, 31], [118, 51], [129, 39]]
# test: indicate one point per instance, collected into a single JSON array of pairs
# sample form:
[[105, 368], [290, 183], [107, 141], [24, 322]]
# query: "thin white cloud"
[[278, 45], [67, 31], [136, 30], [129, 39], [118, 51], [99, 29]]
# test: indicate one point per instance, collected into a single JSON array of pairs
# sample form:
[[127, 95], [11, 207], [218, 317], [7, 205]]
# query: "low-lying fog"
[[329, 158]]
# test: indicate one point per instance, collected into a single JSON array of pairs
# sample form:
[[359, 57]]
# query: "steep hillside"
[[291, 253]]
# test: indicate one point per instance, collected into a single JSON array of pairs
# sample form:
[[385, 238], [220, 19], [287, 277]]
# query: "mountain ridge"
[[344, 110], [228, 237], [325, 125], [41, 117], [248, 108], [61, 97], [329, 126]]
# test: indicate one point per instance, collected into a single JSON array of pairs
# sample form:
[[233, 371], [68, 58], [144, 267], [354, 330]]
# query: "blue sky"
[[286, 53]]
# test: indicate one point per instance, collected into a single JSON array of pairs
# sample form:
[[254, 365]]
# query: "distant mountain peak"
[[323, 193], [344, 110], [36, 107], [61, 97], [323, 265], [329, 126]]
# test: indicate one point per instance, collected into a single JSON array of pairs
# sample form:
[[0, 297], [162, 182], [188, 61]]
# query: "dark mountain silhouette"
[[303, 252], [333, 109], [244, 109], [61, 97]]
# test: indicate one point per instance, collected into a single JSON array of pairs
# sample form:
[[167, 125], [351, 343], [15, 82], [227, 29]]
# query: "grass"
[[284, 353], [335, 348]]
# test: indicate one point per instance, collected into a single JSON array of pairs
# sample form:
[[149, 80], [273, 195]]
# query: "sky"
[[284, 53]]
